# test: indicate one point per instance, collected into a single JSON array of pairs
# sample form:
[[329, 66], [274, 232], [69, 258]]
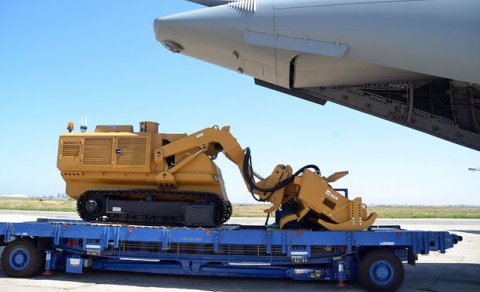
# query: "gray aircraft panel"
[[373, 52], [437, 37], [215, 35], [313, 70]]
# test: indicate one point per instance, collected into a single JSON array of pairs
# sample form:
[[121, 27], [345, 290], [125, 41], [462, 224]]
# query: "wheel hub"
[[92, 205], [19, 259], [382, 272]]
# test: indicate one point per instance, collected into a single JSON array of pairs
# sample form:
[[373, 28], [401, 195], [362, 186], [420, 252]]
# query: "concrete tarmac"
[[457, 270]]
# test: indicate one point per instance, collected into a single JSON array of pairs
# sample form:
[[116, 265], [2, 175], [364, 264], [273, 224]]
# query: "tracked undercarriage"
[[154, 207]]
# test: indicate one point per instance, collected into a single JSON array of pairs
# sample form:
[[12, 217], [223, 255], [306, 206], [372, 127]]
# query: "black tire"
[[381, 270], [21, 259]]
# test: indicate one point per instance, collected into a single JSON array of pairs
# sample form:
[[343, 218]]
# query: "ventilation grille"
[[132, 151], [244, 5], [223, 249], [97, 151], [70, 150]]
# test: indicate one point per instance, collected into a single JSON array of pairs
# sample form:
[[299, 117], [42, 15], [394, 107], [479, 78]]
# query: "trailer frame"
[[374, 256]]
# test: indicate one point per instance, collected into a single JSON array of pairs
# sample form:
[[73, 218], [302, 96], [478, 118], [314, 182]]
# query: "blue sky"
[[60, 60]]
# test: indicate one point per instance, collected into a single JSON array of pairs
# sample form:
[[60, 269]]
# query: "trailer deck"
[[374, 256]]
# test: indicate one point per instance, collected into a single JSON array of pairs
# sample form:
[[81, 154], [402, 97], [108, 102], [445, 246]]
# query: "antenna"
[[83, 124]]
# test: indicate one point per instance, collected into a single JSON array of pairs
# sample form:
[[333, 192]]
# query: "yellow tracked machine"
[[146, 177]]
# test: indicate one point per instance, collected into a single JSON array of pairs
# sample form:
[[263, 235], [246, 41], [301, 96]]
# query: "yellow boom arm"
[[315, 198]]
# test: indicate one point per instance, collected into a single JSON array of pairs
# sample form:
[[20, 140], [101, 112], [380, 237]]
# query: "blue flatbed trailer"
[[373, 256]]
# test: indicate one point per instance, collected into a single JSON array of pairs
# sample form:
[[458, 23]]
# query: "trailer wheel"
[[380, 270], [21, 259]]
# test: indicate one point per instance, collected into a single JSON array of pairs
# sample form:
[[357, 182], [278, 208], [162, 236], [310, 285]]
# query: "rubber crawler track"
[[223, 208]]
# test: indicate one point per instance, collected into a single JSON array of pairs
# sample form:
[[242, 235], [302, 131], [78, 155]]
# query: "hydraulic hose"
[[248, 175]]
